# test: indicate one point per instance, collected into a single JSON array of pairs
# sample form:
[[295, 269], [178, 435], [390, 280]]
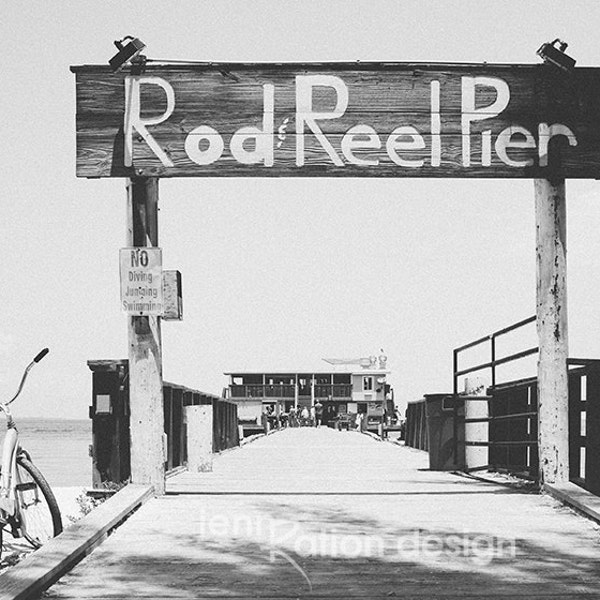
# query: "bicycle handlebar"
[[41, 355], [37, 359]]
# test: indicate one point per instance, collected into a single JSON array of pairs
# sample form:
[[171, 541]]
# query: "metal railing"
[[336, 391], [262, 391], [491, 364]]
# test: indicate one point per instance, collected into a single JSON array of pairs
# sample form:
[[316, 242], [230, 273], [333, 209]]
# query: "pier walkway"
[[317, 513]]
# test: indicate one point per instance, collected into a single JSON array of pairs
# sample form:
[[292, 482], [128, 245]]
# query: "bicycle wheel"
[[37, 508]]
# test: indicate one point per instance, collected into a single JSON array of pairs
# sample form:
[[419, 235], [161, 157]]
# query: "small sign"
[[141, 281], [173, 303]]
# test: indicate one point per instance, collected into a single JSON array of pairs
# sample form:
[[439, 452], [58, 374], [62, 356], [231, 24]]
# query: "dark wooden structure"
[[110, 416], [416, 425]]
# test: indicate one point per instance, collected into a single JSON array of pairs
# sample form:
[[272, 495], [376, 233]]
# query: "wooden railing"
[[416, 426], [225, 429], [512, 444], [262, 391], [110, 422], [584, 424], [336, 391]]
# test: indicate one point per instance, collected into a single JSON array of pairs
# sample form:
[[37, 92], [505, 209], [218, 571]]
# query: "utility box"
[[440, 430], [110, 450]]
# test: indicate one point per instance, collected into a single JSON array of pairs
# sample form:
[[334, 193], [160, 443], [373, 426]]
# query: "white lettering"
[[133, 119], [211, 153], [306, 115], [505, 141], [394, 144], [263, 139], [350, 143], [470, 113], [546, 133], [486, 148]]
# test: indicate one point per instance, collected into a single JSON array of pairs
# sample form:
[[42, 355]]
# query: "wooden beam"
[[421, 120], [553, 385], [577, 497], [42, 568], [145, 350]]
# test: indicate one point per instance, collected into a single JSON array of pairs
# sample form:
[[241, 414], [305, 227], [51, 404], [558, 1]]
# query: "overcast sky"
[[277, 273]]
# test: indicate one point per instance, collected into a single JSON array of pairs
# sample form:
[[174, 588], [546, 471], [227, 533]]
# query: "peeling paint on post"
[[145, 351], [553, 387]]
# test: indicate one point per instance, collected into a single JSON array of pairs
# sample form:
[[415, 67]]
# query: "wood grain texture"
[[382, 96], [552, 330], [145, 351], [41, 568], [344, 507]]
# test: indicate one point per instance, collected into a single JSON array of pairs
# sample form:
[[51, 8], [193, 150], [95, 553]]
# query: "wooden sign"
[[357, 120], [172, 295]]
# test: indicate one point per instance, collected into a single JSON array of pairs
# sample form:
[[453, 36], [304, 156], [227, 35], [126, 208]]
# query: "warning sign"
[[141, 281]]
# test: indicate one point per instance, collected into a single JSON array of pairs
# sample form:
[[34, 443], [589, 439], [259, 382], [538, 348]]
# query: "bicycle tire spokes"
[[38, 510]]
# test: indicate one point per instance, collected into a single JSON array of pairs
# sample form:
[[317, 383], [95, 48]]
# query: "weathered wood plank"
[[444, 107], [43, 567], [318, 162], [573, 495]]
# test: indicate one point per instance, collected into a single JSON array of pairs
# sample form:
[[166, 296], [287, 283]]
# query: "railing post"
[[553, 389]]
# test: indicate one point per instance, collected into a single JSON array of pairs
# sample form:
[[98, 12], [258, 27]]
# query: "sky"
[[277, 273]]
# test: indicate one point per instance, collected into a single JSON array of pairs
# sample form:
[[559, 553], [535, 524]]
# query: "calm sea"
[[59, 448]]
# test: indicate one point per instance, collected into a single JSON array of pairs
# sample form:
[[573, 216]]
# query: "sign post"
[[553, 382], [145, 348]]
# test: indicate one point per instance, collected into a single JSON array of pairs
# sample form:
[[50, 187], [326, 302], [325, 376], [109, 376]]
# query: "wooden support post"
[[200, 437], [476, 456], [553, 385], [145, 351]]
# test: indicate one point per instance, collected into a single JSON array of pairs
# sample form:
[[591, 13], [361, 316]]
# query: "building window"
[[367, 384]]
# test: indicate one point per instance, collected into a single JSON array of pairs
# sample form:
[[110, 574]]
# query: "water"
[[59, 448]]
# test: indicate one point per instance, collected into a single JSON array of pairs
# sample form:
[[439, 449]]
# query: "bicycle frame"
[[9, 468], [9, 508]]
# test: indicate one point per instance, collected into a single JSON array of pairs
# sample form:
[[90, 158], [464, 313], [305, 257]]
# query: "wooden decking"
[[308, 513]]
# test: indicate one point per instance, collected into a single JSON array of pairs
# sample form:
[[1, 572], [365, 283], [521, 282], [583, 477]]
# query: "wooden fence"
[[584, 424], [513, 429], [416, 426], [109, 412]]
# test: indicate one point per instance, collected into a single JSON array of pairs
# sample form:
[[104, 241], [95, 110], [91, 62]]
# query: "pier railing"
[[110, 448], [510, 436], [416, 425]]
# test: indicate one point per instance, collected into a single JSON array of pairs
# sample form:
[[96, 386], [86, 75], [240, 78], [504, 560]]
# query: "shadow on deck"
[[325, 514]]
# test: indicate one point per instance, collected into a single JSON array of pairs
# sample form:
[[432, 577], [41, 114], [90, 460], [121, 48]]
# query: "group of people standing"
[[296, 417], [306, 417]]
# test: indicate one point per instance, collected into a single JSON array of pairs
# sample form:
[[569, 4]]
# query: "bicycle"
[[28, 508]]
